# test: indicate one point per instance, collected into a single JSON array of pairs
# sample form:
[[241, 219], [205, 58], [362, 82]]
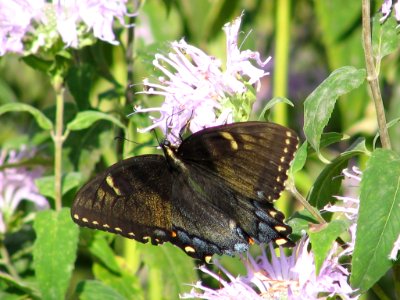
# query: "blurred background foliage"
[[322, 36]]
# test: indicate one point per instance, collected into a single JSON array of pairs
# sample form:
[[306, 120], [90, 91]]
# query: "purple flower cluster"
[[17, 184], [281, 277], [197, 92], [28, 25]]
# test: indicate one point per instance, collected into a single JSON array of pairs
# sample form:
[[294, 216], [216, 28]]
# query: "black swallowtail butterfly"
[[211, 195]]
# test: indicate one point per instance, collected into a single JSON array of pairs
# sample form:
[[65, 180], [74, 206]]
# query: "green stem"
[[372, 75], [130, 251], [299, 197], [58, 139], [281, 59], [7, 262]]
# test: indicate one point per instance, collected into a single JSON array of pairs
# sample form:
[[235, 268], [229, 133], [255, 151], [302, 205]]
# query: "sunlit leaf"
[[378, 223], [54, 252]]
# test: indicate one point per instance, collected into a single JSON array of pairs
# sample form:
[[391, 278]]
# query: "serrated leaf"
[[85, 119], [378, 223], [40, 118], [322, 239], [329, 180], [54, 252], [319, 105], [385, 38], [68, 181], [94, 290]]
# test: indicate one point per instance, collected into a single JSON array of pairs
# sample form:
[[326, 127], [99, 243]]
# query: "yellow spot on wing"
[[110, 182], [231, 139], [85, 220], [76, 216], [280, 228], [207, 259], [272, 213], [189, 249], [280, 242]]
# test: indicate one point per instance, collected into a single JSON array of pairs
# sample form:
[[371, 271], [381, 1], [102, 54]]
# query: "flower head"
[[17, 184], [16, 21], [197, 92], [26, 26], [349, 205], [281, 277]]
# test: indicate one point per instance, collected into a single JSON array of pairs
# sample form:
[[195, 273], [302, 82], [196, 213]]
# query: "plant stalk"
[[372, 76], [281, 53], [58, 139]]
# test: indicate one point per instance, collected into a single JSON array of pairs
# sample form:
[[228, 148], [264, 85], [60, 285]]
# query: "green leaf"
[[299, 159], [300, 222], [378, 223], [95, 290], [322, 238], [319, 105], [330, 138], [271, 103], [37, 63], [79, 80], [19, 285], [54, 252], [126, 283], [40, 118], [169, 268], [85, 119], [69, 181], [100, 248], [329, 180], [385, 38]]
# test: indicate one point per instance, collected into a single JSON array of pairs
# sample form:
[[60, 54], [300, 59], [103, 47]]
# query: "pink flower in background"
[[26, 26], [16, 21], [17, 184], [197, 92], [387, 7], [97, 15], [281, 277]]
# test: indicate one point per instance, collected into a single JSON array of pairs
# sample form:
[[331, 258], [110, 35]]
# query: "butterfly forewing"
[[209, 196], [131, 198], [252, 157]]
